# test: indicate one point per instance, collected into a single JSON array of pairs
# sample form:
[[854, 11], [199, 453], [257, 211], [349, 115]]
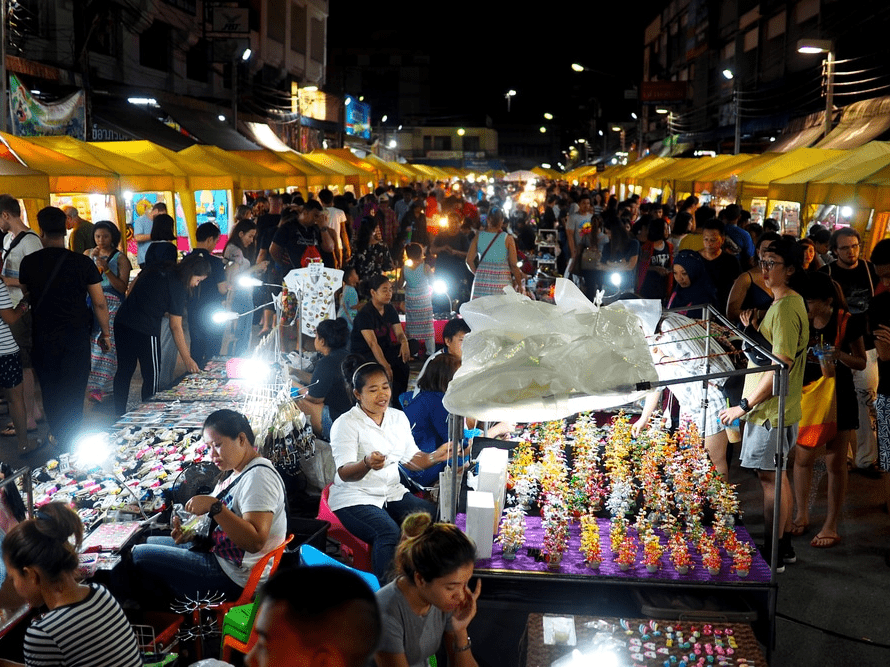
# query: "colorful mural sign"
[[32, 118]]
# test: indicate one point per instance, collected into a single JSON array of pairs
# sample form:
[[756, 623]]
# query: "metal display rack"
[[561, 592]]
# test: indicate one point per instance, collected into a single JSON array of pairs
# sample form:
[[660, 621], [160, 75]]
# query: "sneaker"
[[764, 551], [786, 553]]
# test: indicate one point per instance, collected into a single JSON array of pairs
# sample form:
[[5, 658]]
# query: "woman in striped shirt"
[[81, 625]]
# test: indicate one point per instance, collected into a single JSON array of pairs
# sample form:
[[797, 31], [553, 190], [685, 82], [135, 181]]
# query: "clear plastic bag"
[[193, 525]]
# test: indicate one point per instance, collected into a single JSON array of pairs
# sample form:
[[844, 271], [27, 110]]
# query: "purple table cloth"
[[573, 559]]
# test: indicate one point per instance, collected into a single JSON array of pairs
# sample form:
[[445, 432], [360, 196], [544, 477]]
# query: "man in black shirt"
[[205, 335], [722, 267], [858, 279], [57, 282], [297, 236]]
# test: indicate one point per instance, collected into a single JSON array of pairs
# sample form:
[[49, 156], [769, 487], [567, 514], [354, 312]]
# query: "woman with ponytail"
[[81, 624], [430, 599]]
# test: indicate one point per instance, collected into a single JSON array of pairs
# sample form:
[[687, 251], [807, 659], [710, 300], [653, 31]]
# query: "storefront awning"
[[22, 181], [860, 123], [208, 128], [800, 133], [246, 174], [755, 181], [118, 120], [263, 135]]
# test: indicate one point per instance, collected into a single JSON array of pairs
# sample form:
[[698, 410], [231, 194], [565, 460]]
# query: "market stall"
[[202, 192], [137, 180], [93, 190], [596, 513]]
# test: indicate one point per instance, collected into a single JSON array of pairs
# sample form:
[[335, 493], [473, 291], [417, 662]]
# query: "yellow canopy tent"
[[633, 179], [189, 175], [66, 174], [357, 177], [382, 170], [246, 175], [684, 179], [547, 173], [317, 175], [662, 177], [795, 186], [412, 173], [29, 185], [754, 181], [272, 160], [134, 176], [712, 171]]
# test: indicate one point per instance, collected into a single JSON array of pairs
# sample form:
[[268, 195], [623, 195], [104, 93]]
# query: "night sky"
[[482, 49]]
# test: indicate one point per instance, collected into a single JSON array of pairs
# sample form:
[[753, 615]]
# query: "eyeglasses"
[[768, 264], [855, 246]]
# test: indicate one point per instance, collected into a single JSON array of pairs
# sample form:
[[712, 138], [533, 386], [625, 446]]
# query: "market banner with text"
[[32, 118]]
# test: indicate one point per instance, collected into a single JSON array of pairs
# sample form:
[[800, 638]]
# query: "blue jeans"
[[184, 572], [381, 528]]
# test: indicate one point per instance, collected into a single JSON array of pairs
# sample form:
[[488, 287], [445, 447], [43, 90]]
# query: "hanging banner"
[[32, 118]]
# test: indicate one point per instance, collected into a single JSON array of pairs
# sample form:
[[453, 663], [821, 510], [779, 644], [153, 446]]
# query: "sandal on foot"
[[821, 542], [798, 530], [9, 431]]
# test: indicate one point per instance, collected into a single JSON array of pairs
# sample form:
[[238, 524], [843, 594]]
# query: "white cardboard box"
[[480, 517]]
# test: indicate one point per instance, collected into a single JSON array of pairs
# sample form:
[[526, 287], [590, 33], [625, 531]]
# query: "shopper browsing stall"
[[786, 329], [248, 508], [430, 602], [830, 402], [80, 624], [114, 266], [326, 398], [369, 442], [157, 290]]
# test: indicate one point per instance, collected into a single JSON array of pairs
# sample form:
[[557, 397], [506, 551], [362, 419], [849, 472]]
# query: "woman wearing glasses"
[[786, 328]]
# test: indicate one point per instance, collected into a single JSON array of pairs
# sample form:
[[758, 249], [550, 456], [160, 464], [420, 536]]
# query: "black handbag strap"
[[482, 256], [49, 282]]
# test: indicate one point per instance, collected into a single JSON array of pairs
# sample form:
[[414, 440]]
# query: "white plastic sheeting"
[[528, 361]]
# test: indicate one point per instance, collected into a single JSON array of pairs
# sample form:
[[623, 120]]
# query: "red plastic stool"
[[349, 543]]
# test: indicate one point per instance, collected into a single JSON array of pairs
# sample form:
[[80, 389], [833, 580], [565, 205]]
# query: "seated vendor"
[[325, 398], [248, 508], [453, 334], [368, 443]]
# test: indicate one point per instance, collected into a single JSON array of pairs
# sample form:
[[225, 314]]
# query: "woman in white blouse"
[[368, 442], [239, 252]]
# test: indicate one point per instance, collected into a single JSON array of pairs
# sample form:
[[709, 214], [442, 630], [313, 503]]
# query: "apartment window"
[[728, 51], [275, 19], [154, 47], [752, 39], [471, 144], [318, 40], [196, 65], [442, 143], [775, 27], [298, 29], [427, 143], [806, 9]]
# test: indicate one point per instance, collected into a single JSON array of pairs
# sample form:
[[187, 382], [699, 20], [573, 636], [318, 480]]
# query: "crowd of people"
[[74, 320]]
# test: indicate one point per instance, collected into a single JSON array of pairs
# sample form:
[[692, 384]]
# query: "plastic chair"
[[312, 557], [349, 543], [236, 618]]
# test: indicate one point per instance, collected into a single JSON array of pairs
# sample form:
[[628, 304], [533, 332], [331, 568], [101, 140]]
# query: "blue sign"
[[358, 118]]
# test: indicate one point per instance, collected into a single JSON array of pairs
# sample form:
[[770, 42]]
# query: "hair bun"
[[416, 524]]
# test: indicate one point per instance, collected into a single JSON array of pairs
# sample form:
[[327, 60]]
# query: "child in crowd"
[[349, 297], [80, 624], [418, 298]]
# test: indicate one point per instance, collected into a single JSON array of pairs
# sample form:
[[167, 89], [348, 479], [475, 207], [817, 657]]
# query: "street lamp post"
[[736, 103], [510, 94], [827, 47]]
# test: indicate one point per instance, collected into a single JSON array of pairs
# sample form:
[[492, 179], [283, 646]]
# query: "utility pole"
[[829, 91], [3, 100], [738, 119]]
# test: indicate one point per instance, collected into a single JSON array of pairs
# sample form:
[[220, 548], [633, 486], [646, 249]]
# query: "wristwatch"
[[744, 405], [215, 509]]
